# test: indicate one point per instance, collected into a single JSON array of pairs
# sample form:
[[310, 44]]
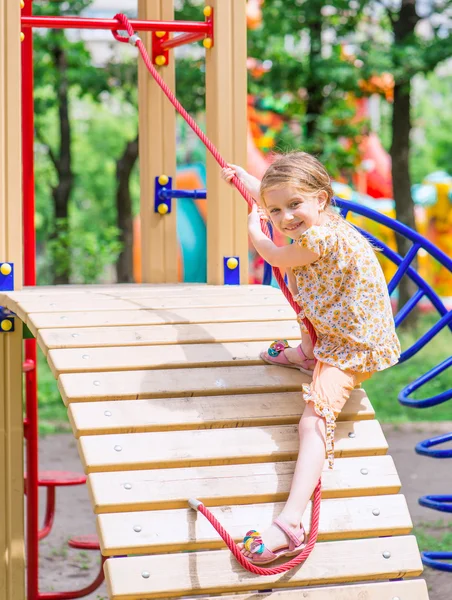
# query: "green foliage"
[[432, 121], [87, 252], [315, 79]]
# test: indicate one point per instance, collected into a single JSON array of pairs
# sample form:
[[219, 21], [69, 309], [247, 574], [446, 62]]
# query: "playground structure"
[[164, 391]]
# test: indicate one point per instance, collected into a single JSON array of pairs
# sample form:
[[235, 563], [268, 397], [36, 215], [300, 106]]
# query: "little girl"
[[336, 279]]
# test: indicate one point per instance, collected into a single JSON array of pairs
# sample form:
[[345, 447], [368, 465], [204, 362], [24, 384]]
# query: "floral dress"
[[344, 295]]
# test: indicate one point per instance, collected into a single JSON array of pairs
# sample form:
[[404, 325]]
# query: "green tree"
[[418, 40], [302, 41], [63, 73]]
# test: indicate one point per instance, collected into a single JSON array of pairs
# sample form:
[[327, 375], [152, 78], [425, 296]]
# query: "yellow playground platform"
[[167, 396]]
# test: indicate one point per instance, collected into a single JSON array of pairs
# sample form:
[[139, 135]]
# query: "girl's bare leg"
[[308, 468]]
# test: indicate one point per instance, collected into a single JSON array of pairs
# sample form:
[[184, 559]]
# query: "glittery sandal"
[[275, 355], [253, 543]]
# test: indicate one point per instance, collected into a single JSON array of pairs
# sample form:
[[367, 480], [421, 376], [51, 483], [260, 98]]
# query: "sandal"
[[275, 355], [262, 555]]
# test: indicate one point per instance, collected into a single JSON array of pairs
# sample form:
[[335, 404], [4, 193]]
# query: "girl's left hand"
[[255, 216]]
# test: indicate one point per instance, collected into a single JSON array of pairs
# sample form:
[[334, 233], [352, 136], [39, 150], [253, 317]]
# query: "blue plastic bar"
[[428, 290], [434, 560], [193, 194], [425, 448], [419, 382], [397, 226], [439, 502], [408, 307], [428, 335], [406, 262]]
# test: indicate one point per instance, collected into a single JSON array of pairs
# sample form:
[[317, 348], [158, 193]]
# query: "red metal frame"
[[191, 31], [204, 27]]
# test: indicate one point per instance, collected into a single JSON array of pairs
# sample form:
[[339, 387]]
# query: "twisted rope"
[[135, 40]]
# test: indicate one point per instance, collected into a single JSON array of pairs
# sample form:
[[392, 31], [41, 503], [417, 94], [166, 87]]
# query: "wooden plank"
[[159, 450], [216, 571], [156, 357], [74, 304], [415, 589], [131, 290], [191, 289], [159, 489], [104, 337], [157, 152], [159, 531], [205, 412], [220, 130], [210, 301], [114, 318], [15, 554], [212, 381], [239, 86]]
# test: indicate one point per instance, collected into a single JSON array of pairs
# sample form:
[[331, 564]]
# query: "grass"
[[382, 388], [434, 536]]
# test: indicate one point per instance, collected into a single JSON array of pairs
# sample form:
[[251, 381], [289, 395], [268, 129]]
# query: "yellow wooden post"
[[12, 567], [226, 127], [157, 123]]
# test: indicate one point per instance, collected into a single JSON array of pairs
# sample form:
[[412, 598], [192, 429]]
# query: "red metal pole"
[[29, 242], [186, 38], [138, 25]]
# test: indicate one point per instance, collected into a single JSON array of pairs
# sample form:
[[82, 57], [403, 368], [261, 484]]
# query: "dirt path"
[[63, 568]]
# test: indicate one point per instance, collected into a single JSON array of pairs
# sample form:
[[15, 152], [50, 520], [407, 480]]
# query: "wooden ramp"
[[168, 400]]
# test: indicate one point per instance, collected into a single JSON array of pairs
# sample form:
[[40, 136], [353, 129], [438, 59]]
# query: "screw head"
[[162, 208], [127, 486], [63, 318], [352, 434], [118, 448], [386, 554], [107, 413], [6, 325], [5, 269], [232, 263], [137, 528], [364, 471], [75, 335], [376, 512], [96, 382], [145, 574], [85, 356], [160, 60]]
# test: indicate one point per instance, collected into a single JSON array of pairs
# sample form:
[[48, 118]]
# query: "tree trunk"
[[314, 106], [62, 191], [124, 166], [400, 154]]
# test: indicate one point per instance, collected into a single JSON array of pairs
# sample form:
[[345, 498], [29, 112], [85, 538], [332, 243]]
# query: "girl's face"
[[292, 213]]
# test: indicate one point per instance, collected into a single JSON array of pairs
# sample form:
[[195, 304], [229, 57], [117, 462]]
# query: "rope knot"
[[126, 26]]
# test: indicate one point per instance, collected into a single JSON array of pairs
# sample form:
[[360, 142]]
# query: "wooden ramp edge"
[[168, 399]]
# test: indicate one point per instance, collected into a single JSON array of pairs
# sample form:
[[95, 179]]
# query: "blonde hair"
[[299, 170]]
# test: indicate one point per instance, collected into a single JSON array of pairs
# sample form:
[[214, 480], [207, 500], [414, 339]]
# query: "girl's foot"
[[280, 539], [281, 354]]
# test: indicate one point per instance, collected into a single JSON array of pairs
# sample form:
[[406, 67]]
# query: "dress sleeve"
[[318, 239]]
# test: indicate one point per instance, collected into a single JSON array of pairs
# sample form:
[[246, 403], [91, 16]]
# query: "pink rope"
[[125, 25], [315, 517]]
